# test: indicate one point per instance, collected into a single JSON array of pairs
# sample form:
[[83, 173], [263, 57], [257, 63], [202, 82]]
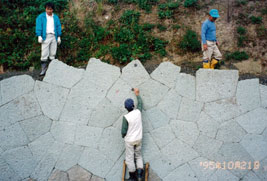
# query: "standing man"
[[48, 30], [209, 41], [132, 132]]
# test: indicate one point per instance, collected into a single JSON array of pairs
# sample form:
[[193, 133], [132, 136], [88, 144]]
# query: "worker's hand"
[[136, 91], [217, 43], [40, 39], [205, 47], [58, 40]]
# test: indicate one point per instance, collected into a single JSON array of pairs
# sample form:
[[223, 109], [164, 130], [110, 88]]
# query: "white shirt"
[[135, 129], [50, 27]]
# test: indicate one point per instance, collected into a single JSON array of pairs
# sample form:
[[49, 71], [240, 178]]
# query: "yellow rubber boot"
[[213, 63], [206, 64]]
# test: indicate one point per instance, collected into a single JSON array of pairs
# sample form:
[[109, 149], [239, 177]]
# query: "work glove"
[[58, 40], [40, 39]]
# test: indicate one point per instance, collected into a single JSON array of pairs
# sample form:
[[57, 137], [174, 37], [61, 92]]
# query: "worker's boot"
[[139, 174], [132, 176], [213, 63], [44, 66], [206, 64]]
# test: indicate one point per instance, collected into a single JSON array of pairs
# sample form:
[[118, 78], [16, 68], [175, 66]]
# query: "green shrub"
[[121, 53], [190, 42], [130, 17], [190, 3], [241, 30], [241, 41], [166, 10], [124, 35], [241, 2], [264, 11], [148, 27], [256, 20], [177, 27], [237, 55], [161, 27]]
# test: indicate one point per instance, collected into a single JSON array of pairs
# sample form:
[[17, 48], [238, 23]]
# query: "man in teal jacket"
[[48, 30]]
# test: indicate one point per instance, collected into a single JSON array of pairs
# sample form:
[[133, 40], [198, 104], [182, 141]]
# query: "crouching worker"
[[132, 132]]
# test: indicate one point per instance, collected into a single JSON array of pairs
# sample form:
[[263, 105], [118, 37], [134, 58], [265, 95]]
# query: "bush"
[[190, 3], [130, 17], [256, 20], [237, 55], [161, 27], [241, 30], [190, 42], [166, 10], [241, 38]]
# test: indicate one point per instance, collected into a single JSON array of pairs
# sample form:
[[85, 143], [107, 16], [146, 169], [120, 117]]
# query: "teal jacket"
[[41, 22], [124, 127]]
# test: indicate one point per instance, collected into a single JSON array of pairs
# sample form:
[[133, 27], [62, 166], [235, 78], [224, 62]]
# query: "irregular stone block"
[[254, 121], [170, 104], [21, 160], [134, 73], [185, 131], [189, 110], [13, 137], [261, 172], [119, 92], [82, 99], [21, 108], [58, 175], [78, 173], [153, 176], [115, 173], [0, 95], [202, 172], [111, 139], [255, 146], [157, 118], [35, 127], [101, 74], [207, 147], [15, 86], [152, 92], [212, 85], [61, 74], [264, 134], [41, 145], [222, 110], [104, 115], [183, 172], [7, 173], [55, 150], [63, 132], [162, 166], [248, 95], [96, 178], [263, 95], [98, 164], [230, 131], [186, 86], [150, 150], [166, 73], [251, 176], [87, 136], [163, 136], [69, 157], [222, 175], [207, 126], [51, 98], [147, 126]]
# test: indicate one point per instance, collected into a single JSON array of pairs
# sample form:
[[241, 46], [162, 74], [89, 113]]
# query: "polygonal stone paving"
[[68, 126]]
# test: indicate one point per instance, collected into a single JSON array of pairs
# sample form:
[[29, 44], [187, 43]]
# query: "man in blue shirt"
[[209, 41], [48, 30]]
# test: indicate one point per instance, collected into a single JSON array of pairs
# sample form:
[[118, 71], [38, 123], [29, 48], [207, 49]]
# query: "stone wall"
[[70, 122]]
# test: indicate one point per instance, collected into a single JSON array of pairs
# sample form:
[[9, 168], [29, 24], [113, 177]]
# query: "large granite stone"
[[163, 136], [248, 95], [223, 175], [82, 99], [111, 143], [230, 131], [96, 178], [58, 175], [170, 104], [69, 157], [162, 166], [185, 131], [263, 95], [166, 73], [207, 125], [20, 160], [7, 173], [116, 172], [150, 150], [16, 86], [78, 173], [63, 132], [23, 107], [152, 92], [153, 176], [183, 172], [222, 110], [157, 118], [13, 137], [212, 85], [261, 172], [189, 110], [0, 95], [51, 98], [101, 74], [35, 127], [147, 125], [87, 136], [255, 146], [98, 164], [134, 73], [254, 121], [251, 176], [186, 86], [104, 115], [61, 74]]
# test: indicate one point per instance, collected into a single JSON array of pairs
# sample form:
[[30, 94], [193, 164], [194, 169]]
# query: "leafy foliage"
[[190, 3], [256, 20], [166, 10], [241, 38], [237, 55], [190, 41]]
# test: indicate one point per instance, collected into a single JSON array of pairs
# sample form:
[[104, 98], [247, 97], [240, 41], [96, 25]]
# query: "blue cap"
[[129, 104], [214, 13]]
